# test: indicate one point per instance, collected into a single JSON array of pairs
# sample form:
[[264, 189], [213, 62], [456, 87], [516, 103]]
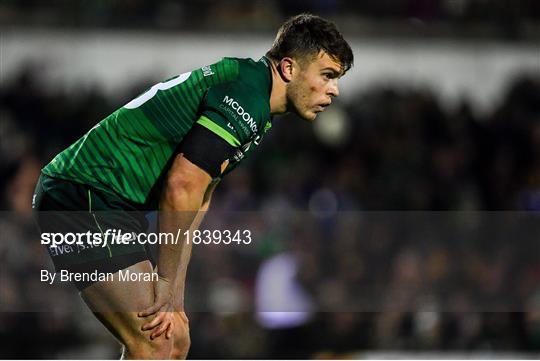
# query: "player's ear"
[[286, 68]]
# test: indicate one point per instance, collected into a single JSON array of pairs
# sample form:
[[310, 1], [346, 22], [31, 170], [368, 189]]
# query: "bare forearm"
[[185, 256], [184, 200], [176, 212], [186, 253]]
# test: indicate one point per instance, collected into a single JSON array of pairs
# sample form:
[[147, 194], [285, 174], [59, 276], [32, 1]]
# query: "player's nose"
[[333, 89]]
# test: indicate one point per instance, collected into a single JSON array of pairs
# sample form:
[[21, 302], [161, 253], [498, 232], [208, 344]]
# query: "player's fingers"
[[151, 310], [155, 321], [161, 329], [159, 318], [168, 335]]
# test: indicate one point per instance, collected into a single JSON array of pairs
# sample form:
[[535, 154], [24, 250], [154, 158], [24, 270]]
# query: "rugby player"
[[166, 150]]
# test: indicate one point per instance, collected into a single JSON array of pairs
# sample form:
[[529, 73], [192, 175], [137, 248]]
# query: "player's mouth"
[[323, 106]]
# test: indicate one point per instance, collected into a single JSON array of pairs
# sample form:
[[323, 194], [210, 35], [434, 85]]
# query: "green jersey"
[[130, 151]]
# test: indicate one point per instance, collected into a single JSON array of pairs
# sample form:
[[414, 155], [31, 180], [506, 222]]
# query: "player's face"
[[313, 86]]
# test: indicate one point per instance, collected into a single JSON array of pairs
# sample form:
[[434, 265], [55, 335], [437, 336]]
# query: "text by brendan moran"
[[96, 276]]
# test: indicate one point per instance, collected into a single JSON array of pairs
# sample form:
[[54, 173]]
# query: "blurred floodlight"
[[332, 126]]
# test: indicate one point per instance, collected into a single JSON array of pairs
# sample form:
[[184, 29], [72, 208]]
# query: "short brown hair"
[[306, 35]]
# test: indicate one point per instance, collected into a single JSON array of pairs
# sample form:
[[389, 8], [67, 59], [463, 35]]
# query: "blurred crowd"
[[304, 198], [467, 17]]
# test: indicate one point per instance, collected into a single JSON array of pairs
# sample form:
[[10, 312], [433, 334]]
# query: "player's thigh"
[[116, 304]]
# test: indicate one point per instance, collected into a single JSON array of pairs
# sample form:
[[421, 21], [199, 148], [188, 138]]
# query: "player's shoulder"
[[250, 74], [251, 85], [231, 69], [226, 65], [242, 103], [255, 74], [238, 64]]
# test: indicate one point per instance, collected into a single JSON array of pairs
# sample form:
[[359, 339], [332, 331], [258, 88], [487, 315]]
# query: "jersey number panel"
[[150, 93]]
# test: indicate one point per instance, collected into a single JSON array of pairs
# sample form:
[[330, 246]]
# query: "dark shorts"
[[63, 207]]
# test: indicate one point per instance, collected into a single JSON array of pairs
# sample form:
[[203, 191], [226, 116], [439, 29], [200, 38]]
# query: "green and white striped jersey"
[[130, 151]]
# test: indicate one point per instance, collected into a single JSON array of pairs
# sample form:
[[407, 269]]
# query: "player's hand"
[[163, 321]]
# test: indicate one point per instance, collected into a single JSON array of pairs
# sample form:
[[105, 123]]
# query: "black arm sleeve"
[[205, 149]]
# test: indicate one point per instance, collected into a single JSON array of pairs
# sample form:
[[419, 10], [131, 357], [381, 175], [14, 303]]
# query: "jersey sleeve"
[[234, 111]]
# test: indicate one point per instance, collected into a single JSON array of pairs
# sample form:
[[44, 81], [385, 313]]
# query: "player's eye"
[[328, 76]]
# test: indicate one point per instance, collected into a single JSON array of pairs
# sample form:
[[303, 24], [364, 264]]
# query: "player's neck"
[[278, 96]]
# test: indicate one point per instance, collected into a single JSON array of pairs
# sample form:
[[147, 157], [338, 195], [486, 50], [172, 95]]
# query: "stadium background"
[[441, 112]]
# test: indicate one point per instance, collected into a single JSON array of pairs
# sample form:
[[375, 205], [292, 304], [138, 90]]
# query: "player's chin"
[[310, 115]]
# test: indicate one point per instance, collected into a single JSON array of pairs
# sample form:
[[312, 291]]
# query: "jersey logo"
[[238, 156], [207, 71], [248, 119], [257, 140], [241, 152]]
